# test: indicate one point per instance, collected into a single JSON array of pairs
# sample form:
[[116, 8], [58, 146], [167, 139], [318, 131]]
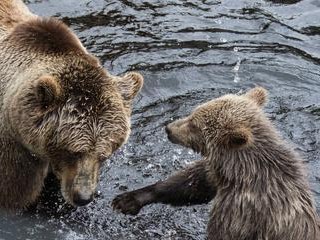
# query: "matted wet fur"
[[255, 180], [59, 109]]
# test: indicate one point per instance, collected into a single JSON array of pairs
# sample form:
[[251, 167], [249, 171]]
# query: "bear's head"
[[229, 122], [64, 107], [75, 117]]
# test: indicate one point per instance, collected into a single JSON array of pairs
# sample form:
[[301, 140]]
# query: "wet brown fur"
[[46, 35], [12, 12], [255, 180], [59, 108]]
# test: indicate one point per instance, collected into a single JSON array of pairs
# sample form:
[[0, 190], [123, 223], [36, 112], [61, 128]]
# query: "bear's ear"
[[258, 94], [240, 137], [47, 90], [129, 85]]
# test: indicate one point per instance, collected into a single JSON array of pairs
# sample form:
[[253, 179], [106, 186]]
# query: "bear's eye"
[[71, 156], [77, 155], [192, 126]]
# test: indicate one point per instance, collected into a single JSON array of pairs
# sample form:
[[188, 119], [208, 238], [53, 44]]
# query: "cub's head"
[[75, 115], [229, 122]]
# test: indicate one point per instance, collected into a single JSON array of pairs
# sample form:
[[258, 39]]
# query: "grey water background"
[[189, 52]]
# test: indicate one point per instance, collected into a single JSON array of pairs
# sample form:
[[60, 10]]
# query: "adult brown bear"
[[59, 107]]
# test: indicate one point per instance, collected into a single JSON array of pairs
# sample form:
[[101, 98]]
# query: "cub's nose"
[[168, 130], [81, 199]]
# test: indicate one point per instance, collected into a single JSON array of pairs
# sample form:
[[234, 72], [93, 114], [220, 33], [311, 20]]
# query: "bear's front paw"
[[126, 203]]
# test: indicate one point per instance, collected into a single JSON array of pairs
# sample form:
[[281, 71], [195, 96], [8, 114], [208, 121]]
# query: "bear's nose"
[[81, 199], [168, 131]]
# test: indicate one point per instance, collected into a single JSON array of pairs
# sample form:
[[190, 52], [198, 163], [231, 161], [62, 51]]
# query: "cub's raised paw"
[[126, 203]]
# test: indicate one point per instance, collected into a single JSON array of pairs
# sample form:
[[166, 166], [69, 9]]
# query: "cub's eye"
[[192, 126]]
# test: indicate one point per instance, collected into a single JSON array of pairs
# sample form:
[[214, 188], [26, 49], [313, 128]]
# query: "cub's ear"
[[258, 94], [129, 85], [47, 90], [238, 138]]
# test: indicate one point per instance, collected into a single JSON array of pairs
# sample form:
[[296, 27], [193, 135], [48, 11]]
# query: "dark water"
[[189, 52]]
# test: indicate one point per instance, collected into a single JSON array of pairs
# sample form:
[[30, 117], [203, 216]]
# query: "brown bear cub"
[[255, 181], [60, 109]]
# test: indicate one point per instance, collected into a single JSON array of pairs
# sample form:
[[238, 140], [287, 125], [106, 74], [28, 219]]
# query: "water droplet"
[[223, 40], [235, 69]]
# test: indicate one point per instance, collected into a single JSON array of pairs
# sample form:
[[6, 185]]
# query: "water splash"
[[235, 69]]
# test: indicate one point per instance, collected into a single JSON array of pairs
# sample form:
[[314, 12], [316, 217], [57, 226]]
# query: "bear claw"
[[126, 203]]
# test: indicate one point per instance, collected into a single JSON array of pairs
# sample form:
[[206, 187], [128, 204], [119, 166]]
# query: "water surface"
[[189, 52]]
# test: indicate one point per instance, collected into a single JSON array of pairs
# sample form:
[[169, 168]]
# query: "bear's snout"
[[170, 135], [82, 199], [168, 130]]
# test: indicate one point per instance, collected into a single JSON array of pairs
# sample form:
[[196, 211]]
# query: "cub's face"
[[226, 122], [76, 118]]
